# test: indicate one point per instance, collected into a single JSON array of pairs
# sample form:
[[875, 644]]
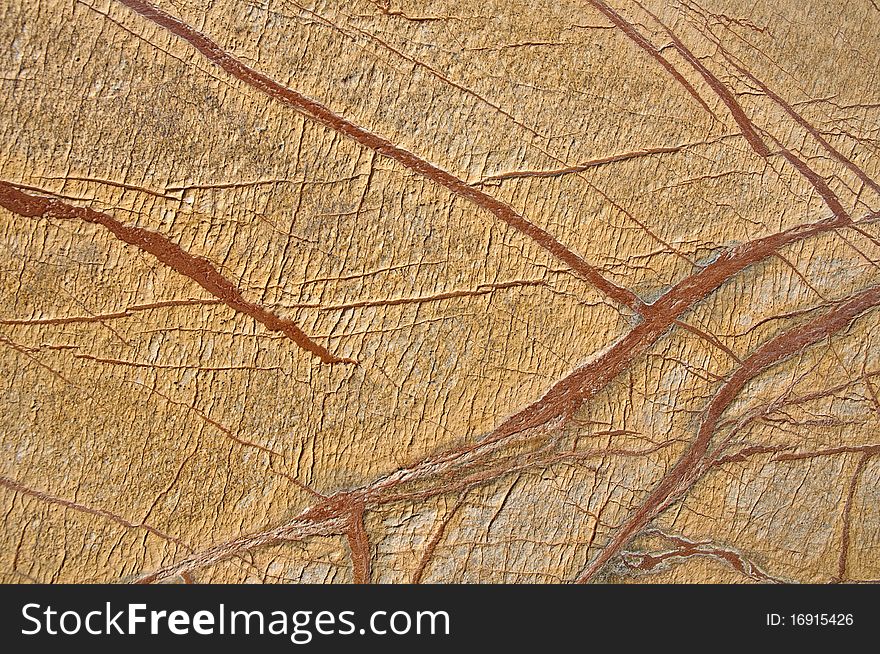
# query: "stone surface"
[[441, 292]]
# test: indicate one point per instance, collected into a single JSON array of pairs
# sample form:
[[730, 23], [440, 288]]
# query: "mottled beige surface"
[[140, 439]]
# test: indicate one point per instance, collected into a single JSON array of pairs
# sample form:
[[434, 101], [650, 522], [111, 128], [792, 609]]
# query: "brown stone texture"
[[475, 291]]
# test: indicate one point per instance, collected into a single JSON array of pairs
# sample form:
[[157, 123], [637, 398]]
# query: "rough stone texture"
[[440, 291]]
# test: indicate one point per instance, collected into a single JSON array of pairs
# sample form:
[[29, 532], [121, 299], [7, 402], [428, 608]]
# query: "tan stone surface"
[[440, 291]]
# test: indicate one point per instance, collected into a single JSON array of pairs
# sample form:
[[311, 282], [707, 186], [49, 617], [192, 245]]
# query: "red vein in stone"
[[359, 544], [723, 93], [803, 122], [630, 31], [128, 312], [746, 125], [18, 487], [566, 395], [382, 146], [333, 514], [172, 255], [685, 548], [434, 541], [694, 462], [847, 517]]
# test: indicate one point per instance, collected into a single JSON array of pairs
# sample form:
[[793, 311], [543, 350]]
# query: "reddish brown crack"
[[697, 459], [684, 548], [746, 124], [14, 485], [540, 439], [196, 268], [560, 402], [569, 393], [431, 547], [579, 168], [630, 31], [125, 313], [798, 118], [359, 544], [382, 146], [847, 514]]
